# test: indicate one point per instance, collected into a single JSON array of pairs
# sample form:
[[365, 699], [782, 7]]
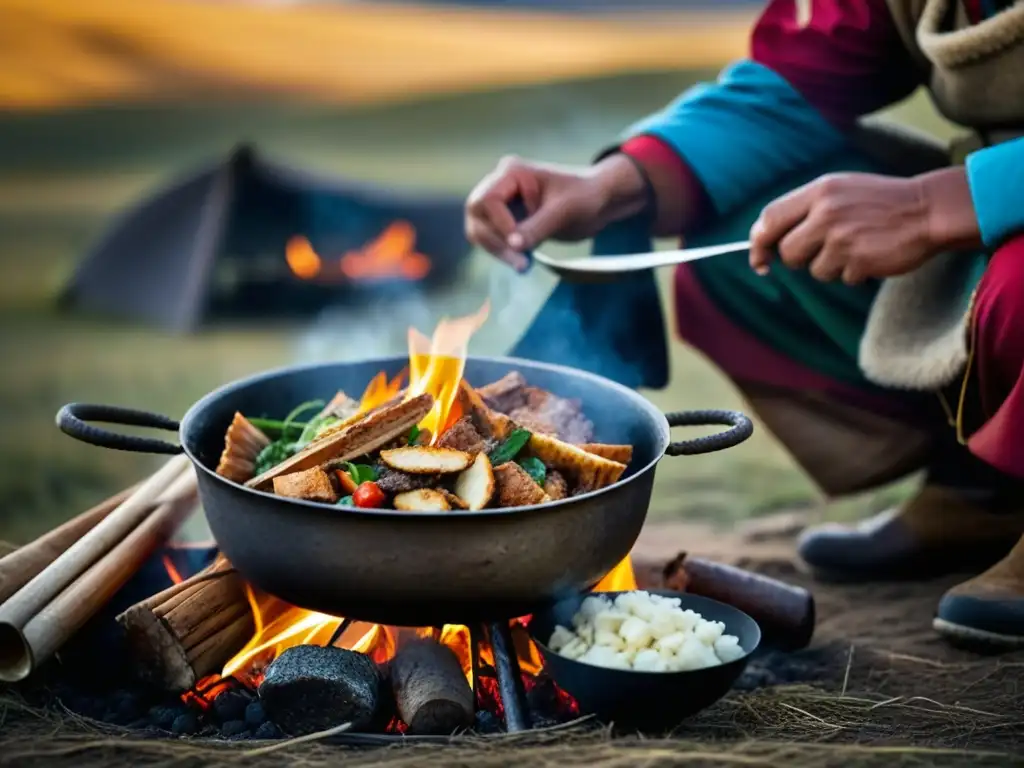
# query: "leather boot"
[[939, 531], [987, 610]]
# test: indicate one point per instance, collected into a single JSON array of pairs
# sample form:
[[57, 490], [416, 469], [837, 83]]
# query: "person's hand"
[[562, 202], [859, 226]]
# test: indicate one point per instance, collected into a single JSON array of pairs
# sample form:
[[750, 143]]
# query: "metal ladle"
[[607, 268]]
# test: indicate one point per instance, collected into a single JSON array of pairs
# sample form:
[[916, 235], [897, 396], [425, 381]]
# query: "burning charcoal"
[[267, 731], [462, 436], [234, 728], [255, 715], [393, 482], [310, 688], [231, 705], [185, 725], [506, 394], [431, 690]]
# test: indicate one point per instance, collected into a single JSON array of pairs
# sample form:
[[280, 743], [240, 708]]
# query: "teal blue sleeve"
[[996, 178], [743, 133]]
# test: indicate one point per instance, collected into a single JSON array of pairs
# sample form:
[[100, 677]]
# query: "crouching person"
[[877, 324]]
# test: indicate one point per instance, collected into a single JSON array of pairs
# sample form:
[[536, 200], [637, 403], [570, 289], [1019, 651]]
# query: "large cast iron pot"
[[412, 568]]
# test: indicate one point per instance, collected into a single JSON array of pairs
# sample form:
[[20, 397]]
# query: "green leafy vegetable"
[[274, 454], [510, 447], [272, 427], [289, 424], [535, 468], [361, 473], [313, 428], [414, 435], [345, 501]]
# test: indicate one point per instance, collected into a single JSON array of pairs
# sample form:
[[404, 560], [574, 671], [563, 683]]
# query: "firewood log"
[[431, 690]]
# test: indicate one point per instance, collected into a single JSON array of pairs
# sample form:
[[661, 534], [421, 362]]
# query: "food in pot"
[[644, 632], [506, 445]]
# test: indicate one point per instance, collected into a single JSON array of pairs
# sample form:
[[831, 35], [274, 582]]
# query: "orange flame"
[[391, 254], [302, 259], [436, 366], [380, 391]]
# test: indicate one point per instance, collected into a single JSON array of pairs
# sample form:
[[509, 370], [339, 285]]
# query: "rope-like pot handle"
[[740, 429], [73, 419]]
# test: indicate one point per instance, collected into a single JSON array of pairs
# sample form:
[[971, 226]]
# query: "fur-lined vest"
[[916, 334]]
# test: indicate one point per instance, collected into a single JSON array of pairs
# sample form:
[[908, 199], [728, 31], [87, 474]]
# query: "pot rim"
[[200, 405]]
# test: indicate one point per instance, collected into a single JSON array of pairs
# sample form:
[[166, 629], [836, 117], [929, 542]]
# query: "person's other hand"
[[850, 226], [562, 203]]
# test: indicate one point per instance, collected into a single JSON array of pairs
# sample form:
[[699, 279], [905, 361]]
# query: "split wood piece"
[[23, 564], [190, 630], [242, 445], [51, 608], [430, 688], [358, 416], [364, 436], [590, 471]]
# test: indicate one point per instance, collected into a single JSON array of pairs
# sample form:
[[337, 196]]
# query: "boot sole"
[[971, 637]]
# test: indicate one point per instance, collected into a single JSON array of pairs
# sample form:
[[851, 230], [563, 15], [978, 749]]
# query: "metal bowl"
[[644, 700]]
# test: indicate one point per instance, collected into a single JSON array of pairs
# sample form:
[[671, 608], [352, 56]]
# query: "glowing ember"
[[172, 572]]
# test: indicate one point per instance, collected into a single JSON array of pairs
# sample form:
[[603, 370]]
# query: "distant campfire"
[[249, 237]]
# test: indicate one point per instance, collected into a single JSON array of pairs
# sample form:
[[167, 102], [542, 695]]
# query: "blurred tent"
[[62, 53]]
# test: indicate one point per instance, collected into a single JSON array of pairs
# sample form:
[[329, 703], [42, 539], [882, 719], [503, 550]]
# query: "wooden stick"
[[191, 629], [431, 690], [41, 617], [78, 558], [25, 563]]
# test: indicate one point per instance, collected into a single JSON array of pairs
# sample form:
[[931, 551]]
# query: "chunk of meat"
[[565, 415], [506, 394], [311, 484], [488, 422], [516, 488], [462, 436], [393, 482], [555, 485]]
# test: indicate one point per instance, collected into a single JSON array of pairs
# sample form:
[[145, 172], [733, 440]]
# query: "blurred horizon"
[[60, 55]]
